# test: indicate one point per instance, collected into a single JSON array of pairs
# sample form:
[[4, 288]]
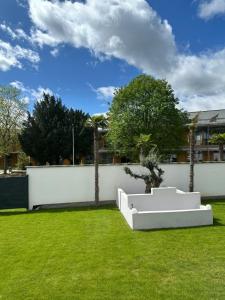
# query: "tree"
[[12, 113], [154, 178], [96, 122], [43, 132], [192, 128], [144, 144], [83, 136], [146, 106], [47, 133], [218, 139], [22, 161]]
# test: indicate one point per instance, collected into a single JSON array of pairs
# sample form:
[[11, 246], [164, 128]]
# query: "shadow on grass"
[[112, 207], [217, 222], [14, 212]]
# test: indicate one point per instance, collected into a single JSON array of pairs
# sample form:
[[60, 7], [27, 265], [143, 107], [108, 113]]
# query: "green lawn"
[[93, 254]]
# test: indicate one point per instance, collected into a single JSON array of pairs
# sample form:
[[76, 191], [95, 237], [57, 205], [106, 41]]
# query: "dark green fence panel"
[[14, 192]]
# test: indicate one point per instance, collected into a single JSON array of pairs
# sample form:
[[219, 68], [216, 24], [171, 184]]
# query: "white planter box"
[[164, 208]]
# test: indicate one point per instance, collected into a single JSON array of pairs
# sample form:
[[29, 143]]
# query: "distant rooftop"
[[209, 117]]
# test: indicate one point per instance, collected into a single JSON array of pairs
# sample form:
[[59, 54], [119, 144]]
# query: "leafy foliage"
[[218, 139], [47, 133], [144, 144], [12, 113], [154, 178], [146, 106], [22, 161], [99, 121]]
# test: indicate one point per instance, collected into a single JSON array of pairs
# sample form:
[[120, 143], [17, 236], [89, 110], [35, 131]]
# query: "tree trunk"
[[5, 164], [221, 151], [192, 158], [96, 163], [148, 188]]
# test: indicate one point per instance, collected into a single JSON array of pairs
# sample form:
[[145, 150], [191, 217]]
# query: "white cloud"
[[22, 35], [29, 93], [210, 8], [125, 29], [8, 30], [106, 92], [26, 100], [22, 3], [55, 52], [38, 93], [196, 102], [42, 38], [132, 31], [16, 34], [37, 37], [19, 85], [13, 56], [199, 81]]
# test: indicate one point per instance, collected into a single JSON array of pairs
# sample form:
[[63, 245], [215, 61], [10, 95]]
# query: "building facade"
[[208, 123]]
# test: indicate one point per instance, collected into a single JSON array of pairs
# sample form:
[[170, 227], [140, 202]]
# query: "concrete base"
[[164, 208]]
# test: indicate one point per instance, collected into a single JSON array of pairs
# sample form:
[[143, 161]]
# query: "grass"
[[92, 254]]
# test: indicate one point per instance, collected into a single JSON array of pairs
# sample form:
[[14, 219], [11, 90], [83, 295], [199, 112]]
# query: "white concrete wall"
[[66, 184], [173, 219], [162, 199], [123, 205], [164, 208]]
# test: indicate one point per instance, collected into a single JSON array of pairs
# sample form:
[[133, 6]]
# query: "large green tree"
[[12, 113], [47, 133], [146, 106]]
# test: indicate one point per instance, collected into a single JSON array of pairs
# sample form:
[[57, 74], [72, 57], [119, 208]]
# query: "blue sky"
[[82, 50]]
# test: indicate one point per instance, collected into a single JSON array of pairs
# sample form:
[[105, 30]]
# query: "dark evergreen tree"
[[47, 133], [83, 136]]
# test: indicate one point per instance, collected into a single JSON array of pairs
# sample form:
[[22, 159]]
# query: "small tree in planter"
[[151, 162]]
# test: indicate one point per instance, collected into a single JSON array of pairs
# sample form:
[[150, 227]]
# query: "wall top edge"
[[125, 164]]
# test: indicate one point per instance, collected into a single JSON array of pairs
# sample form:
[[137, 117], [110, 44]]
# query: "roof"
[[209, 117]]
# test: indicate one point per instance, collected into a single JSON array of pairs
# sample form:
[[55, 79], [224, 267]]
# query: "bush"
[[22, 161]]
